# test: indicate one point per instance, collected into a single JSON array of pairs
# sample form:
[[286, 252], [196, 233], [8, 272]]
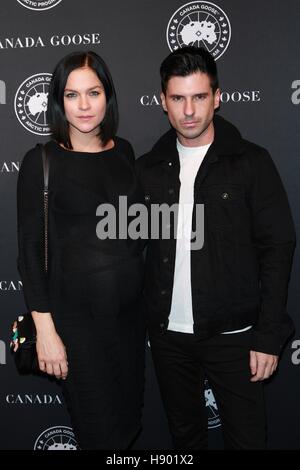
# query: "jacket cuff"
[[272, 342]]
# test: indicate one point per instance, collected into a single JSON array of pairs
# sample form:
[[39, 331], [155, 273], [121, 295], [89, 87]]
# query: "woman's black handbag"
[[23, 344], [23, 341]]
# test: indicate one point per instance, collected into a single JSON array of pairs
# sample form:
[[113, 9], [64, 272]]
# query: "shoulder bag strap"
[[46, 166]]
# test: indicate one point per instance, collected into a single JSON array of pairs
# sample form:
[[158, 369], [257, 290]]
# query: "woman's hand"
[[50, 349]]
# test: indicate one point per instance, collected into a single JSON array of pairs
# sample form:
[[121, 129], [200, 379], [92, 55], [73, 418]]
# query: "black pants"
[[182, 363]]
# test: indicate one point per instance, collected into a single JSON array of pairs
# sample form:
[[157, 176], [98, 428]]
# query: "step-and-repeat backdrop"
[[256, 45]]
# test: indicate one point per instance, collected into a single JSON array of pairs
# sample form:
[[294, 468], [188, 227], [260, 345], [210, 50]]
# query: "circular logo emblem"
[[56, 438], [211, 407], [31, 103], [200, 24], [39, 4]]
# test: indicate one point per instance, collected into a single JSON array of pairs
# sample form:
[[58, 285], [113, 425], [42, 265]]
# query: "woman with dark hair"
[[90, 331]]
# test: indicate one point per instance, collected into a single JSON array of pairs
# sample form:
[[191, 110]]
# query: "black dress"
[[93, 287]]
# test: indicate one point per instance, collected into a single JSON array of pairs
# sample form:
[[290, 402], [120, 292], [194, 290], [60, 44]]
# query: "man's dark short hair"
[[56, 112], [186, 61]]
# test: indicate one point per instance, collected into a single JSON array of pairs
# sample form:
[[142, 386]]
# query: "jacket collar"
[[227, 141]]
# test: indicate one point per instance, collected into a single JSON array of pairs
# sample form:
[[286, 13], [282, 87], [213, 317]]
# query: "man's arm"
[[274, 240]]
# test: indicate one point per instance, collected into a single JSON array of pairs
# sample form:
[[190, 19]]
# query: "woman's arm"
[[31, 264]]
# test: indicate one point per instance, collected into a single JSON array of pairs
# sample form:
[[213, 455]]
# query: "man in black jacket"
[[217, 309]]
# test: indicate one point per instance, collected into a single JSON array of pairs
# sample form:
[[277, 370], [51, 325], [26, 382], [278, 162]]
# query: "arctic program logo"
[[39, 4], [201, 24], [56, 438], [31, 103]]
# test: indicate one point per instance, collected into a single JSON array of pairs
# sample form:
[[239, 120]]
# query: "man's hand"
[[262, 365]]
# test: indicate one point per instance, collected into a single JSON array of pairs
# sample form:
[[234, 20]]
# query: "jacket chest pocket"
[[224, 206]]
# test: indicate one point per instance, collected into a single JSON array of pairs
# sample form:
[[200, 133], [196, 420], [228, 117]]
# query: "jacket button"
[[147, 197], [225, 196], [165, 260], [171, 191], [163, 292], [162, 325], [170, 163]]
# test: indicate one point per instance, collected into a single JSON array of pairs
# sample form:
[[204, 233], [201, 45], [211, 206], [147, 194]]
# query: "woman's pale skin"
[[85, 106]]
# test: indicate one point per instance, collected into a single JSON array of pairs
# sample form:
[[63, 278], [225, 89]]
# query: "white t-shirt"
[[181, 315]]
